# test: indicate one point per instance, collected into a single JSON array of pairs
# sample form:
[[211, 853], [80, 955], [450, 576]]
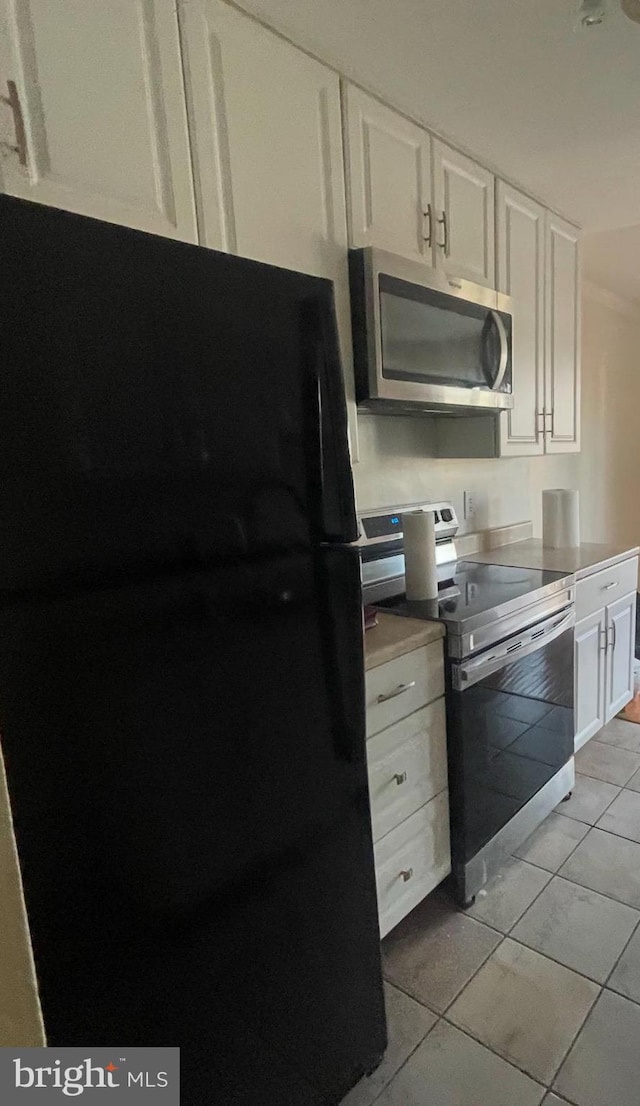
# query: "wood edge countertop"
[[395, 635]]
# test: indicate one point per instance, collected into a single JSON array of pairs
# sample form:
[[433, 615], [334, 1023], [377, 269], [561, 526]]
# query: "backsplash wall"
[[396, 467]]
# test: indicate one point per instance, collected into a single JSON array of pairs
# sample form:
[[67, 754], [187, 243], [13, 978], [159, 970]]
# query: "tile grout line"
[[472, 977], [601, 986], [507, 1059], [592, 824], [575, 1038], [407, 1058], [618, 961], [547, 1087], [483, 1044]]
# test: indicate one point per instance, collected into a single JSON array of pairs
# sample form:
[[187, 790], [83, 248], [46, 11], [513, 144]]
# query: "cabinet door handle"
[[540, 429], [399, 690], [428, 215], [609, 587], [444, 245], [400, 777], [613, 635], [604, 641], [407, 874], [13, 101]]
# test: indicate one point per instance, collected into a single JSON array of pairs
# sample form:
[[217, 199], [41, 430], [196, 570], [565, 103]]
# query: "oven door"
[[510, 728], [426, 339]]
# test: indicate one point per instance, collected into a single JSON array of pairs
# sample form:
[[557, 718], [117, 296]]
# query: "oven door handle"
[[470, 672]]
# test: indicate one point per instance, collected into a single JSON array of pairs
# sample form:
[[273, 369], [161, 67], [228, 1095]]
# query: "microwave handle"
[[504, 350]]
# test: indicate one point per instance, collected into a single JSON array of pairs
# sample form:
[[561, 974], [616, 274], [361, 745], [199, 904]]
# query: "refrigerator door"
[[186, 762], [162, 406]]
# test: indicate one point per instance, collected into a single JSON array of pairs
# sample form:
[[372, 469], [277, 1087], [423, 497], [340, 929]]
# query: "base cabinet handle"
[[407, 874], [400, 777], [399, 690]]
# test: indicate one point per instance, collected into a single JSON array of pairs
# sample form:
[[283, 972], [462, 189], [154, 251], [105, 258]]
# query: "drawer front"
[[407, 767], [605, 587], [400, 687], [412, 860]]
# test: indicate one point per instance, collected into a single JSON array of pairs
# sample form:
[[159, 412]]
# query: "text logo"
[[119, 1076]]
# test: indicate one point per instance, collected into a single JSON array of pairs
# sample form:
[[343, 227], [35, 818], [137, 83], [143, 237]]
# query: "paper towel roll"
[[560, 518], [418, 528]]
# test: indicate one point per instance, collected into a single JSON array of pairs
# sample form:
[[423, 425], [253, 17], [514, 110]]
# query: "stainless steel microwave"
[[424, 342]]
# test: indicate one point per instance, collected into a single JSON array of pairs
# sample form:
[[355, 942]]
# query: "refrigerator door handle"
[[339, 591], [337, 520]]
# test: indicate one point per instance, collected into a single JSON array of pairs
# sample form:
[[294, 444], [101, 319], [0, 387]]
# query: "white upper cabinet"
[[266, 137], [520, 235], [266, 134], [464, 209], [411, 194], [388, 178], [97, 121], [562, 371]]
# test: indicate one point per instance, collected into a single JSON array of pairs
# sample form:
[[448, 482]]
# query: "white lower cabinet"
[[590, 647], [407, 764], [621, 625], [604, 647], [411, 860], [407, 767]]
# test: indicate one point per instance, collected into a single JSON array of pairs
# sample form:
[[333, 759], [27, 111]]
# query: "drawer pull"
[[399, 690], [608, 587], [400, 777], [407, 874]]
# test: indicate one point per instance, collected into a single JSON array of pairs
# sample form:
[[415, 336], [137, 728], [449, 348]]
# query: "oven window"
[[430, 337], [509, 733]]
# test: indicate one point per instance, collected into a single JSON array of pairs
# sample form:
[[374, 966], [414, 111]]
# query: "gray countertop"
[[582, 560]]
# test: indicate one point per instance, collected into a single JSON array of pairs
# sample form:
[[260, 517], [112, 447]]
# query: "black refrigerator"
[[181, 673]]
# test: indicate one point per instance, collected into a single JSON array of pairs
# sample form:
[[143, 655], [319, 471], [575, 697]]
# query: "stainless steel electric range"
[[509, 687]]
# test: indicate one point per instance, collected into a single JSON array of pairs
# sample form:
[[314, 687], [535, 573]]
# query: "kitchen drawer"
[[412, 860], [604, 587], [407, 766], [403, 685]]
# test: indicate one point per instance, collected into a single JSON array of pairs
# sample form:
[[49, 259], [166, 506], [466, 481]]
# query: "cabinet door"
[[589, 671], [621, 628], [465, 216], [562, 355], [267, 145], [99, 114], [388, 178], [520, 274]]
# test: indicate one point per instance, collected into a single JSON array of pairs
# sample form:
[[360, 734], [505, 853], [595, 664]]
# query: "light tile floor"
[[531, 997]]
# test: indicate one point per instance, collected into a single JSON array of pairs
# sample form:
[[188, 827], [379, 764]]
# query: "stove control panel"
[[378, 527]]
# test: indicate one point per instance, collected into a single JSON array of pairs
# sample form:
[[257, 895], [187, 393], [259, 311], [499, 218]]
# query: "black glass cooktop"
[[471, 591]]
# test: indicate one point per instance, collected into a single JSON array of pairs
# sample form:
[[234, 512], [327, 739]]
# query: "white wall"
[[610, 459], [395, 467], [20, 1016]]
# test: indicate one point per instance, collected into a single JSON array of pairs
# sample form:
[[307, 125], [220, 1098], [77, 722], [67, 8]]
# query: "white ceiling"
[[554, 108]]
